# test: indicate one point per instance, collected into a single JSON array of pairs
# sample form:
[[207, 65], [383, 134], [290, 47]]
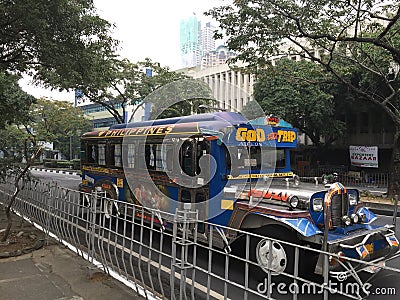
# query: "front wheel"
[[282, 254], [271, 255]]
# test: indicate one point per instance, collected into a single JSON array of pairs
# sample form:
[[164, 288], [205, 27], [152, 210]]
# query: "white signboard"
[[364, 156]]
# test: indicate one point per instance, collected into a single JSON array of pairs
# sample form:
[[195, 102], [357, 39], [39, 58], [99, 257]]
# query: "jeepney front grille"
[[339, 208]]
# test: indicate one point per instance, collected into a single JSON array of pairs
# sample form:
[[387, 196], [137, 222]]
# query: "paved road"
[[63, 180]]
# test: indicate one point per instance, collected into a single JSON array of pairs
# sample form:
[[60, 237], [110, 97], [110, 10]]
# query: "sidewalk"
[[56, 170], [53, 272]]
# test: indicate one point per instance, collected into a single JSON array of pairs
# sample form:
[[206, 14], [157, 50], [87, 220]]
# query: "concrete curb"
[[55, 171]]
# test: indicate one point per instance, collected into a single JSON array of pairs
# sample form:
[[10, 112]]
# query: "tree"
[[180, 98], [302, 94], [55, 41], [129, 83], [342, 36], [56, 122], [58, 43], [14, 102]]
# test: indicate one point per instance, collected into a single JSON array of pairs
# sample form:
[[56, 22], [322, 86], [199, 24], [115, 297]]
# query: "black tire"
[[307, 258], [283, 254]]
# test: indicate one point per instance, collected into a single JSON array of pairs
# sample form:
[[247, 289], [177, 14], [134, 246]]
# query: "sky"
[[147, 28]]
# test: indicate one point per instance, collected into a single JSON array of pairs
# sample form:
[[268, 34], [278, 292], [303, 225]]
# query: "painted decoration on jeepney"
[[266, 136], [151, 197], [364, 156], [272, 120], [184, 128]]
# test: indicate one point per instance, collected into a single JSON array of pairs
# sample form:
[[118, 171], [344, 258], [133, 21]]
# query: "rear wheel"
[[109, 211]]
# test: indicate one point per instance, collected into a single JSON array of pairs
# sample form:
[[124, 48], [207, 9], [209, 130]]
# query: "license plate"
[[370, 248]]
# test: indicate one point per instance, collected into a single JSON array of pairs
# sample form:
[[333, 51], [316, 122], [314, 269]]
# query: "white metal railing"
[[175, 261]]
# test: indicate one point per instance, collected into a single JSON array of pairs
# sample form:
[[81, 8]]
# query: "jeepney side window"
[[91, 153], [280, 158], [115, 155], [273, 158], [131, 155], [83, 152], [202, 149], [228, 159], [102, 154], [186, 157], [129, 152], [163, 153], [255, 154], [186, 196], [150, 156]]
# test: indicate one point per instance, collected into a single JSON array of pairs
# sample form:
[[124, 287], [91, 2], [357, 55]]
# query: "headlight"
[[354, 218], [346, 220], [293, 201], [317, 204], [352, 199]]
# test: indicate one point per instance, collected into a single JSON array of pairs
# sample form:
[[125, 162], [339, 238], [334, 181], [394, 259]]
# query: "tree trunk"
[[15, 194], [394, 174]]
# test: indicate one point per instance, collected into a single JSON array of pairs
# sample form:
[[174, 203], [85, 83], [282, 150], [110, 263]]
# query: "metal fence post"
[[92, 223], [325, 246], [396, 201], [185, 218], [47, 222]]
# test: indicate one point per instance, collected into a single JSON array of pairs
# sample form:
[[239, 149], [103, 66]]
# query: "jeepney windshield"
[[257, 157]]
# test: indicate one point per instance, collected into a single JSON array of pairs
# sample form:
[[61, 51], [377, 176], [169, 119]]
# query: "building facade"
[[216, 57], [232, 89]]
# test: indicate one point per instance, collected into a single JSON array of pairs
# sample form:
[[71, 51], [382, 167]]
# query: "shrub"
[[76, 164], [64, 164]]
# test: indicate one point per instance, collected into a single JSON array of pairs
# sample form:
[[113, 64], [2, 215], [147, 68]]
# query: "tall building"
[[207, 38], [190, 42]]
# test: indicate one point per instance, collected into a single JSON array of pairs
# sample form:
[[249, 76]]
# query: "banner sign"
[[364, 156]]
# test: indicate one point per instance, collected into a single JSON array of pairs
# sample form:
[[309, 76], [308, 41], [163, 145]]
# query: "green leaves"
[[14, 102], [301, 93], [55, 41], [53, 121]]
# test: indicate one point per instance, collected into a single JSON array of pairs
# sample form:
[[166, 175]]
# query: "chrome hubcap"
[[277, 255]]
